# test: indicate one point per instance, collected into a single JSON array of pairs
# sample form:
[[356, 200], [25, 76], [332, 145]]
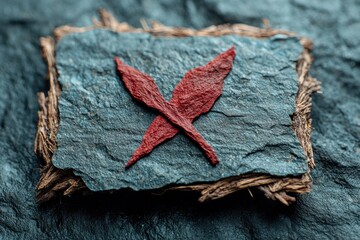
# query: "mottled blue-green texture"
[[101, 125], [330, 211]]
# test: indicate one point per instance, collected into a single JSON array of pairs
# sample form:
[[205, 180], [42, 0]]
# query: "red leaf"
[[195, 94]]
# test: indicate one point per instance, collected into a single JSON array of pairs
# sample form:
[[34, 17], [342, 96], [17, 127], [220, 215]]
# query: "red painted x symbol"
[[194, 95]]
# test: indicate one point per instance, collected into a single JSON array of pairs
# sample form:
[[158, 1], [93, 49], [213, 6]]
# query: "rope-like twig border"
[[55, 181]]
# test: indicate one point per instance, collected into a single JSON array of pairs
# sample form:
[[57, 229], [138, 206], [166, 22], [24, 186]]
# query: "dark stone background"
[[331, 211]]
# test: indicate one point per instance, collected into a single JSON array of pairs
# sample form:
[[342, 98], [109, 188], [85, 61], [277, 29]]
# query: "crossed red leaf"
[[194, 95]]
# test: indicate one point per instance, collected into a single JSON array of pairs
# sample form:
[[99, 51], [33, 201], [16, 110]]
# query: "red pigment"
[[195, 94]]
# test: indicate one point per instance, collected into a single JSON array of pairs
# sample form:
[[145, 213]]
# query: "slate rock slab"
[[101, 125]]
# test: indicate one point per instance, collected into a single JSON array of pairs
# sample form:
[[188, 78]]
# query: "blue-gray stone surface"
[[101, 125], [330, 211]]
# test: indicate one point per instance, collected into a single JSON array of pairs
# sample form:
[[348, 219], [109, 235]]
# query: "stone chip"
[[101, 125]]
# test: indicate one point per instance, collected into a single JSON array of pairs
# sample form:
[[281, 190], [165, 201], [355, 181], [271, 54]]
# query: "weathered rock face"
[[101, 125], [330, 211]]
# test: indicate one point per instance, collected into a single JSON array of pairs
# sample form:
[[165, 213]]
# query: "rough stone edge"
[[56, 182]]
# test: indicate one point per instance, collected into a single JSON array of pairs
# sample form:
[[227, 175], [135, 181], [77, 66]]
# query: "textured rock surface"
[[330, 211], [101, 125]]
